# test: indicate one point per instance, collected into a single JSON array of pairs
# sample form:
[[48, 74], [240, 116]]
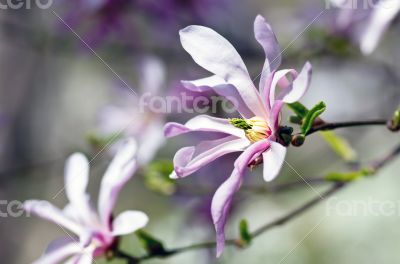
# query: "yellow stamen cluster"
[[259, 129]]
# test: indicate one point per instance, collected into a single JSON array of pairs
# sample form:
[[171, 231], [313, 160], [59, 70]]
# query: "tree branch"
[[331, 126], [375, 165]]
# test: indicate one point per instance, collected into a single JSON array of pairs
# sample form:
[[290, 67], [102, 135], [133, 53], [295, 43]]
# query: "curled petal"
[[49, 212], [190, 159], [118, 173], [202, 123], [128, 222], [267, 39], [273, 160], [299, 86], [222, 199], [215, 54]]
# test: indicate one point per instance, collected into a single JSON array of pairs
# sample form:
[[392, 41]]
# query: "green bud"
[[245, 236], [394, 123]]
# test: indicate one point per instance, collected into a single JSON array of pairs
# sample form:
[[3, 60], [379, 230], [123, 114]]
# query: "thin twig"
[[332, 126]]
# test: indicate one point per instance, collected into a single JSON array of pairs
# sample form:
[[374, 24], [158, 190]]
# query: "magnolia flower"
[[135, 117], [96, 233], [365, 22], [255, 132]]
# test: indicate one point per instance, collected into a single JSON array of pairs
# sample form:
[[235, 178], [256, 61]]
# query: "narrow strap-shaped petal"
[[118, 173], [273, 160], [128, 222], [49, 212], [383, 14], [202, 123], [220, 87], [214, 53], [267, 39], [190, 159], [83, 258], [151, 141], [222, 199], [76, 181]]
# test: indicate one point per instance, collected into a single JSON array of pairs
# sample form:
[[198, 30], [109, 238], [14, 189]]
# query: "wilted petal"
[[222, 199], [273, 160], [76, 181], [47, 211], [220, 87], [190, 159], [128, 222], [384, 13], [267, 39], [202, 123], [118, 173], [215, 54]]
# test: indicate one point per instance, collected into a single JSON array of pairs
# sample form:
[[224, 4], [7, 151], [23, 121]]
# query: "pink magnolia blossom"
[[96, 232], [254, 133]]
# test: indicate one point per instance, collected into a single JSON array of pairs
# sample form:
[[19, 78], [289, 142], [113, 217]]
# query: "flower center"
[[255, 128]]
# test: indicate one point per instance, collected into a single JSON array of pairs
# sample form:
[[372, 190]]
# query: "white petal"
[[128, 222], [215, 54], [384, 13], [273, 160], [76, 181], [47, 211], [118, 173]]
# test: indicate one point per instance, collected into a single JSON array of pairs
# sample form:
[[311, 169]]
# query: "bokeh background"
[[61, 66]]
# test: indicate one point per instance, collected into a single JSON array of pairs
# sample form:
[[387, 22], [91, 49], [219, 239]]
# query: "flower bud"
[[298, 140]]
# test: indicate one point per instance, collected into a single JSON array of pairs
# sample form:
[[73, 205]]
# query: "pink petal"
[[384, 13], [273, 160], [220, 87], [85, 258], [190, 159], [76, 181], [222, 199], [47, 211], [203, 123], [118, 173], [267, 39], [215, 54], [151, 140], [129, 222]]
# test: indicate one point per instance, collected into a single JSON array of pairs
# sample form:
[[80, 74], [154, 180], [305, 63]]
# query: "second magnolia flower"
[[255, 132]]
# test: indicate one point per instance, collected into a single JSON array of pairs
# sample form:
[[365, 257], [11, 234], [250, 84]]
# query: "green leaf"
[[245, 236], [156, 177], [312, 114], [299, 109], [339, 145], [349, 176], [152, 245]]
